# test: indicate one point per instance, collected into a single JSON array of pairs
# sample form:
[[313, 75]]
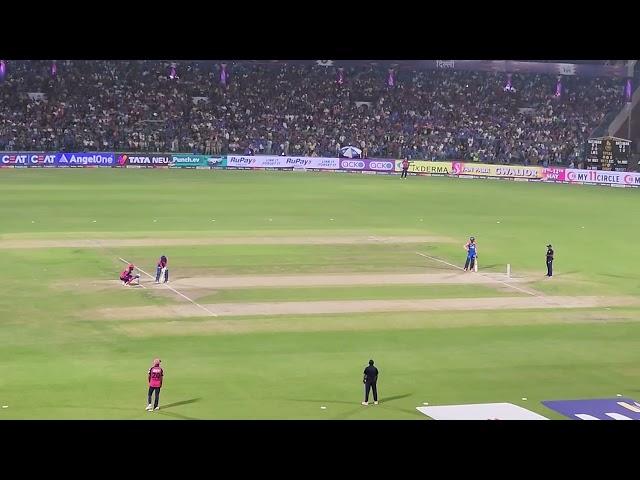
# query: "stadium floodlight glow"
[[391, 79], [54, 68], [559, 87], [3, 69]]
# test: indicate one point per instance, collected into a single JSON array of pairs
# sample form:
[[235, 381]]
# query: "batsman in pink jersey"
[[162, 270], [156, 374]]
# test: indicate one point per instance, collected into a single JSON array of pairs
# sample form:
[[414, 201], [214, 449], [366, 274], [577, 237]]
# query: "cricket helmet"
[[131, 266], [472, 239]]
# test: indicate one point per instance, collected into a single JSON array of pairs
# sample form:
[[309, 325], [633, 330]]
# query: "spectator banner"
[[264, 161], [369, 166], [425, 167], [27, 159], [85, 159], [376, 165], [148, 160], [572, 175], [549, 68], [552, 174], [183, 160], [497, 171]]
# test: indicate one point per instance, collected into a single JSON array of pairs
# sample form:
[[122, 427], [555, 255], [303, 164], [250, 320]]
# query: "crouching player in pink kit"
[[156, 374], [127, 275]]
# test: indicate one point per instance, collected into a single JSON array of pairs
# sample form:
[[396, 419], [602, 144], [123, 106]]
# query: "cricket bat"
[[475, 265]]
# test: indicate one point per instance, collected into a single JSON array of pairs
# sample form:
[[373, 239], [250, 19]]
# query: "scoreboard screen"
[[608, 153]]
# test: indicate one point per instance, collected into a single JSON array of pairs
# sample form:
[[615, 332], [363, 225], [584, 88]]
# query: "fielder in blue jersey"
[[472, 253]]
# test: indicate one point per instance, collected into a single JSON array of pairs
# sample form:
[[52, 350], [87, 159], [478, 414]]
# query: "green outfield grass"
[[57, 360], [288, 259]]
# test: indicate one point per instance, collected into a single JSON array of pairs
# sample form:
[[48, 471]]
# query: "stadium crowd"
[[300, 110]]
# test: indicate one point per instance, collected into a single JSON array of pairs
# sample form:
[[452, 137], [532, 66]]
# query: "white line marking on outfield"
[[107, 249], [441, 261], [173, 290], [499, 281]]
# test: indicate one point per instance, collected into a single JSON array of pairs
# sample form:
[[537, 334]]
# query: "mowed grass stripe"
[[327, 307], [162, 240], [361, 322], [264, 375], [388, 292], [155, 230], [279, 259]]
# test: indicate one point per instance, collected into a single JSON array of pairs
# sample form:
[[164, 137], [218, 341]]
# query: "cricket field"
[[284, 284]]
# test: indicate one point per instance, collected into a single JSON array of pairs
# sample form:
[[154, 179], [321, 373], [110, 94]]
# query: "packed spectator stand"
[[308, 110]]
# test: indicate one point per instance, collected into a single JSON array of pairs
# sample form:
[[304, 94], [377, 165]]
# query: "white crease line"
[[104, 248], [174, 290], [495, 280], [441, 261]]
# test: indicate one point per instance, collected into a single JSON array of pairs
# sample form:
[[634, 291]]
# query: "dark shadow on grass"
[[625, 277], [175, 415], [577, 271], [395, 397], [319, 401], [382, 399], [183, 402], [345, 415], [412, 412], [495, 265], [128, 409]]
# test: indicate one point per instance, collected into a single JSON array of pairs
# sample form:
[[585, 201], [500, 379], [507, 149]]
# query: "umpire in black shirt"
[[549, 261], [370, 380]]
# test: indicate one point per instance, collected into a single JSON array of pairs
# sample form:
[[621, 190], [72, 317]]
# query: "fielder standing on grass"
[[472, 253], [549, 261], [370, 381], [405, 168], [162, 270], [156, 375]]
